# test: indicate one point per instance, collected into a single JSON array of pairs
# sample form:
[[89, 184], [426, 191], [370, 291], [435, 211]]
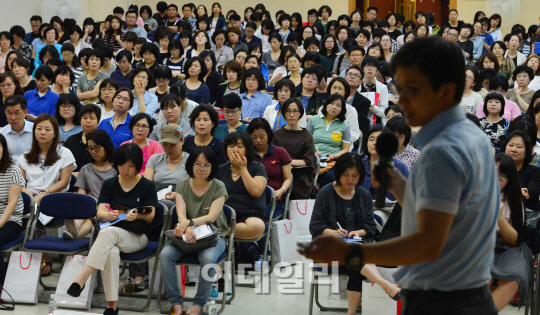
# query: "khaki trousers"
[[105, 256]]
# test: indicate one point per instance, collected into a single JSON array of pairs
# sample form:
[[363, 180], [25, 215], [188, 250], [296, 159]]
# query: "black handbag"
[[199, 245]]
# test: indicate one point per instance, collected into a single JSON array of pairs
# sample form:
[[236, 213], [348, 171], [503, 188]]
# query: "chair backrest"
[[68, 206], [27, 202], [268, 191], [72, 182], [158, 216]]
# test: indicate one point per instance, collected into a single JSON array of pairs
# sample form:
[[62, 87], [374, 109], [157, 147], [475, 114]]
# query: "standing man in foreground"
[[450, 201]]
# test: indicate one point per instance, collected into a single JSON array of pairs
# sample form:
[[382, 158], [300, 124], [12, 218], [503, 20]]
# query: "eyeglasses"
[[310, 78], [111, 90], [67, 106], [353, 75], [356, 55], [370, 67], [162, 81], [143, 127], [94, 149], [140, 77], [231, 112], [204, 167], [120, 98], [469, 78], [338, 88], [385, 40], [452, 35], [503, 178], [16, 115]]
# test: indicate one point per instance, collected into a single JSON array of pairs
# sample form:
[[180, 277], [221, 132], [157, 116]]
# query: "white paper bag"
[[284, 236], [22, 277], [72, 268], [300, 211], [151, 262], [377, 302], [342, 292]]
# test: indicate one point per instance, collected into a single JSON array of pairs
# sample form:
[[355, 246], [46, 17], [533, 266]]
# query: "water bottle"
[[52, 304], [212, 310], [229, 286], [214, 292]]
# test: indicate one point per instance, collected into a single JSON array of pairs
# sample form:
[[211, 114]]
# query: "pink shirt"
[[152, 147], [511, 110]]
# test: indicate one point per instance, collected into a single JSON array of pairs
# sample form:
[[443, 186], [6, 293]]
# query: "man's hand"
[[397, 182], [328, 248]]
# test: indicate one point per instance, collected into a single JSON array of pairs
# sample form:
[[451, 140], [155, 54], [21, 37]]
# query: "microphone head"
[[387, 144]]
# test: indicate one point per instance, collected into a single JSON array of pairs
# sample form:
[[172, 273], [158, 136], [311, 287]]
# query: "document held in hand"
[[121, 217], [201, 231]]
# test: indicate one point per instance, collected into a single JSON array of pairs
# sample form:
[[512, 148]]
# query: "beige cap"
[[171, 133]]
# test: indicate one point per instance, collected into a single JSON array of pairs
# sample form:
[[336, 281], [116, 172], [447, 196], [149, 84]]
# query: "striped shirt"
[[12, 176]]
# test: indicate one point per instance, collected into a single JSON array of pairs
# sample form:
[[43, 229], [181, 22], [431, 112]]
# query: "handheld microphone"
[[386, 146]]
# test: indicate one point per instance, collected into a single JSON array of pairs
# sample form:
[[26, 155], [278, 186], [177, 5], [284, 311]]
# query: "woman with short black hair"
[[141, 126], [128, 190], [78, 143], [199, 200], [212, 78], [254, 101], [522, 94], [204, 120], [68, 110], [345, 210], [245, 181], [405, 153], [519, 147], [142, 79], [494, 125]]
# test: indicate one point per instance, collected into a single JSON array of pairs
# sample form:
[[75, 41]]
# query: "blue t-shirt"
[[201, 95], [38, 105], [487, 39], [122, 80], [121, 134], [455, 174]]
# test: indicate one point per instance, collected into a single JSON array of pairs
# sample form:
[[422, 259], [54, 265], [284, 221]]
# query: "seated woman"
[[47, 169], [245, 181], [345, 209], [199, 200], [331, 134], [9, 86], [141, 126], [130, 190], [63, 78], [299, 144], [204, 120], [195, 71], [254, 101], [21, 67], [511, 268], [144, 102], [77, 143], [283, 90], [68, 110], [118, 125], [275, 159], [282, 71], [233, 71], [91, 177], [11, 202], [232, 110], [212, 78], [165, 169], [371, 155], [405, 153], [522, 94], [519, 147], [256, 51], [170, 108], [87, 86], [107, 88], [493, 124]]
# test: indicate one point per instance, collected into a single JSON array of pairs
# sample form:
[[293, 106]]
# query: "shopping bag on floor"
[[22, 277], [300, 211], [180, 271], [342, 292], [72, 268], [377, 302], [284, 237]]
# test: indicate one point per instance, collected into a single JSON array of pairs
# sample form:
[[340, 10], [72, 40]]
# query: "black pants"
[[9, 232], [355, 279], [463, 302]]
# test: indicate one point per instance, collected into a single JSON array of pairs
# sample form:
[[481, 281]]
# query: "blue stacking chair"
[[270, 201], [143, 256], [29, 204], [72, 181], [193, 260], [61, 206]]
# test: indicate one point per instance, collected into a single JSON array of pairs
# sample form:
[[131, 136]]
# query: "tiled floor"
[[246, 301]]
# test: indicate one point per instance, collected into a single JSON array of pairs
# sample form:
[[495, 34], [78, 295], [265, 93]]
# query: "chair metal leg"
[[326, 308], [233, 280], [312, 288]]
